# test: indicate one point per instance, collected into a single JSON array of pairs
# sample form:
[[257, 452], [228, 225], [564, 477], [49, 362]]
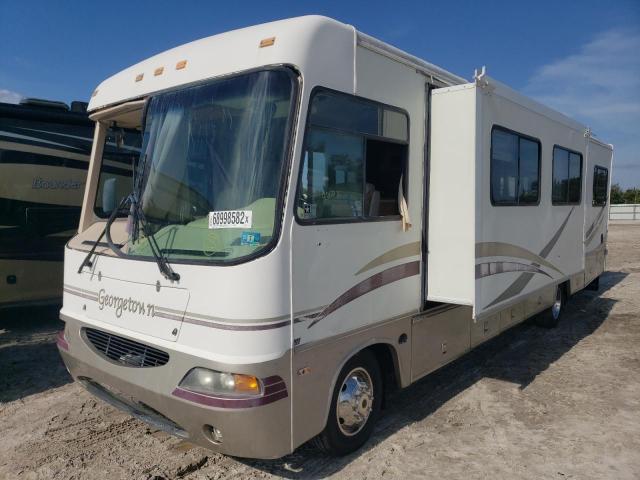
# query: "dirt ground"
[[532, 403]]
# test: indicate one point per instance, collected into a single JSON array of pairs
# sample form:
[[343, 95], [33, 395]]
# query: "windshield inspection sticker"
[[230, 219], [250, 238]]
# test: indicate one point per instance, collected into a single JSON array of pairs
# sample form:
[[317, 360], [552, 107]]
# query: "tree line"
[[618, 195]]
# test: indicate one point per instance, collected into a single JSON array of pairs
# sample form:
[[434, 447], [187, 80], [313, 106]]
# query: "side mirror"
[[109, 195]]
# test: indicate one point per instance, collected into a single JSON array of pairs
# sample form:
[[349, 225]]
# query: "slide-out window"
[[600, 183], [567, 177], [354, 160], [515, 168]]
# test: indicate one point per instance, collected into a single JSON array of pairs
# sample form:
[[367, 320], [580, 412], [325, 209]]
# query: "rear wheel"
[[551, 317], [355, 406]]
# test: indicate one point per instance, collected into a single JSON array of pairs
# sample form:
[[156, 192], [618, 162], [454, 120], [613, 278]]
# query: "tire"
[[551, 317], [357, 393]]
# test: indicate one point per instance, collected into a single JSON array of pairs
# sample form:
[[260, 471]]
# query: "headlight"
[[208, 382]]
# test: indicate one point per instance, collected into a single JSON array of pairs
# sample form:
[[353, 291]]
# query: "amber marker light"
[[139, 77], [267, 42], [158, 71], [246, 384], [181, 64]]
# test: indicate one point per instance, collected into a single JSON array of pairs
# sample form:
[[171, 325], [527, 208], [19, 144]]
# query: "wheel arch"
[[388, 359]]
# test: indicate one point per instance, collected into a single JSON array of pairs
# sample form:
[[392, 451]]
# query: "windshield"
[[211, 168]]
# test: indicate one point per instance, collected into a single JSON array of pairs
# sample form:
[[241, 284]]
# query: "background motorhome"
[[44, 156]]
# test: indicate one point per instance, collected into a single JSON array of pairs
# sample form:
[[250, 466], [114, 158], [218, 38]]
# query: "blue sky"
[[582, 58]]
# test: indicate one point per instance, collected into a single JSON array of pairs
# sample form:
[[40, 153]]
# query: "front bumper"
[[258, 428]]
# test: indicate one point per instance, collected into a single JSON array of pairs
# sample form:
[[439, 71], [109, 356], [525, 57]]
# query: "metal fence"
[[626, 211]]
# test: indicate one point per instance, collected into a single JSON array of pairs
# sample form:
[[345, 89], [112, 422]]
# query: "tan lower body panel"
[[539, 300], [438, 337], [435, 338], [316, 367], [594, 263], [576, 282], [35, 281], [257, 431]]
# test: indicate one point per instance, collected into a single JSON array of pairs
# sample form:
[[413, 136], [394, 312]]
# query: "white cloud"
[[600, 86], [7, 96]]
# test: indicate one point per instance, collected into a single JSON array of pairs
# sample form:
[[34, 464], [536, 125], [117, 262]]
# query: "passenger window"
[[120, 154], [567, 177], [515, 168], [600, 184], [354, 161]]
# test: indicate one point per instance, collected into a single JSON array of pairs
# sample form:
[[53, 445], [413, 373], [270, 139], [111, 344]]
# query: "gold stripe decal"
[[403, 251]]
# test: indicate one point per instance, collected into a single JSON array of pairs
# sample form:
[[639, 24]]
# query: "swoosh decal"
[[495, 268], [499, 249], [521, 282], [595, 226], [374, 282], [403, 251]]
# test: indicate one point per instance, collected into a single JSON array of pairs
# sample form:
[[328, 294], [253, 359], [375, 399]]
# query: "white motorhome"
[[317, 218]]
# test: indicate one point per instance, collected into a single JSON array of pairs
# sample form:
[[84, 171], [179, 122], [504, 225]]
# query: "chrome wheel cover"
[[557, 305], [355, 401]]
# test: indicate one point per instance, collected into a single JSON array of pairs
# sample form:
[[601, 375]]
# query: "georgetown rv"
[[44, 156], [316, 219]]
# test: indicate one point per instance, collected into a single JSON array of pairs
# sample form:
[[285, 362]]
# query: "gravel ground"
[[531, 403]]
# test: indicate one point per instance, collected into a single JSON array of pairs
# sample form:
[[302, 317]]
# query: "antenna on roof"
[[481, 78]]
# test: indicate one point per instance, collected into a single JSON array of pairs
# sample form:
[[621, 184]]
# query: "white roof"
[[321, 48]]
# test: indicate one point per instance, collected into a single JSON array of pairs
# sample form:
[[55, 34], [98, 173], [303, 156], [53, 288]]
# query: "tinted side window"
[[600, 183], [515, 168], [332, 175], [354, 161], [504, 167], [567, 177]]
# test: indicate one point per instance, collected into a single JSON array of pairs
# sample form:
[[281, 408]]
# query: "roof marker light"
[[181, 64], [139, 77], [267, 42], [158, 71]]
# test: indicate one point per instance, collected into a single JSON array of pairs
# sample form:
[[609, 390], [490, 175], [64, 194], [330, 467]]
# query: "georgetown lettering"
[[122, 304]]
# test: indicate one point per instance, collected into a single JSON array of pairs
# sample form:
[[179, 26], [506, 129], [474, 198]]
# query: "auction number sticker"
[[230, 219]]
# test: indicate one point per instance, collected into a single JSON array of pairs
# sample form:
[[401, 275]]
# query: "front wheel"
[[355, 406], [551, 317]]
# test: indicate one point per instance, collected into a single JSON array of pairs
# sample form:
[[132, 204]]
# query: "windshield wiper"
[[160, 258], [87, 260]]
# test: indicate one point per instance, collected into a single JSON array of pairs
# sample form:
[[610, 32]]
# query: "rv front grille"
[[124, 351]]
